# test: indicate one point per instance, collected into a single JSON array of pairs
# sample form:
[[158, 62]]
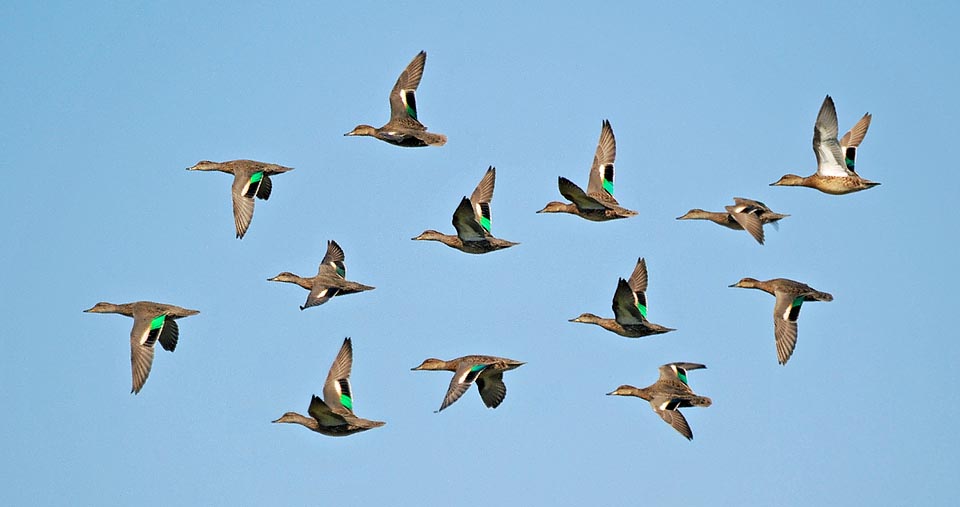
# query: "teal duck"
[[745, 214], [629, 308], [152, 322], [330, 280], [835, 159], [486, 371], [404, 129], [333, 415], [597, 203], [472, 222], [790, 296], [668, 394], [250, 179]]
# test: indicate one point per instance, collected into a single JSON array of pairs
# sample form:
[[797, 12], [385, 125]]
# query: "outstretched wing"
[[243, 191], [466, 223], [627, 309], [577, 196], [462, 379], [332, 263], [146, 330], [481, 197], [324, 414], [169, 334], [403, 102], [319, 295], [747, 217], [601, 172], [825, 144], [786, 311], [336, 390], [638, 280], [492, 389], [671, 372], [666, 409], [852, 139]]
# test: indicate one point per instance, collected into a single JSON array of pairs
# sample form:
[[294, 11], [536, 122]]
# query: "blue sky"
[[105, 105]]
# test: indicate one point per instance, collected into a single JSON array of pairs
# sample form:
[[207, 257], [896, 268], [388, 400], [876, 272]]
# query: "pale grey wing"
[[169, 334], [481, 197], [332, 263], [319, 295], [336, 389], [825, 144], [602, 172], [749, 221], [852, 139], [671, 416], [786, 311], [462, 379], [141, 351], [576, 195], [492, 389], [466, 224], [242, 205], [324, 414], [625, 309], [403, 102], [638, 279]]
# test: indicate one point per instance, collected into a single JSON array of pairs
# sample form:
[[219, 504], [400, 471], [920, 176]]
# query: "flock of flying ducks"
[[333, 414]]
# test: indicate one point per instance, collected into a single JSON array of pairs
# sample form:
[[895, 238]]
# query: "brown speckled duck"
[[835, 159], [333, 415], [330, 280], [152, 322], [250, 179], [597, 203], [472, 222], [668, 394], [404, 129], [745, 214], [790, 296], [486, 371], [629, 308]]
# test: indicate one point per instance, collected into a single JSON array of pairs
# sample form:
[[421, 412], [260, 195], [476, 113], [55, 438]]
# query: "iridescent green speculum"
[[346, 401], [477, 367], [682, 376], [485, 223], [797, 302], [257, 176], [643, 309], [157, 322], [608, 186], [849, 163]]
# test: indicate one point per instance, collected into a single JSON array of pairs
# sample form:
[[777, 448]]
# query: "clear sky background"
[[104, 106]]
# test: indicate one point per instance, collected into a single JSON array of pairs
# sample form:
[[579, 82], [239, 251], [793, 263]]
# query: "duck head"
[[205, 165], [558, 207], [746, 283], [788, 180], [362, 130], [431, 364], [693, 214]]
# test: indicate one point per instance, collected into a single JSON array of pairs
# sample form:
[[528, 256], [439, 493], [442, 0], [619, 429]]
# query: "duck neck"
[[294, 417]]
